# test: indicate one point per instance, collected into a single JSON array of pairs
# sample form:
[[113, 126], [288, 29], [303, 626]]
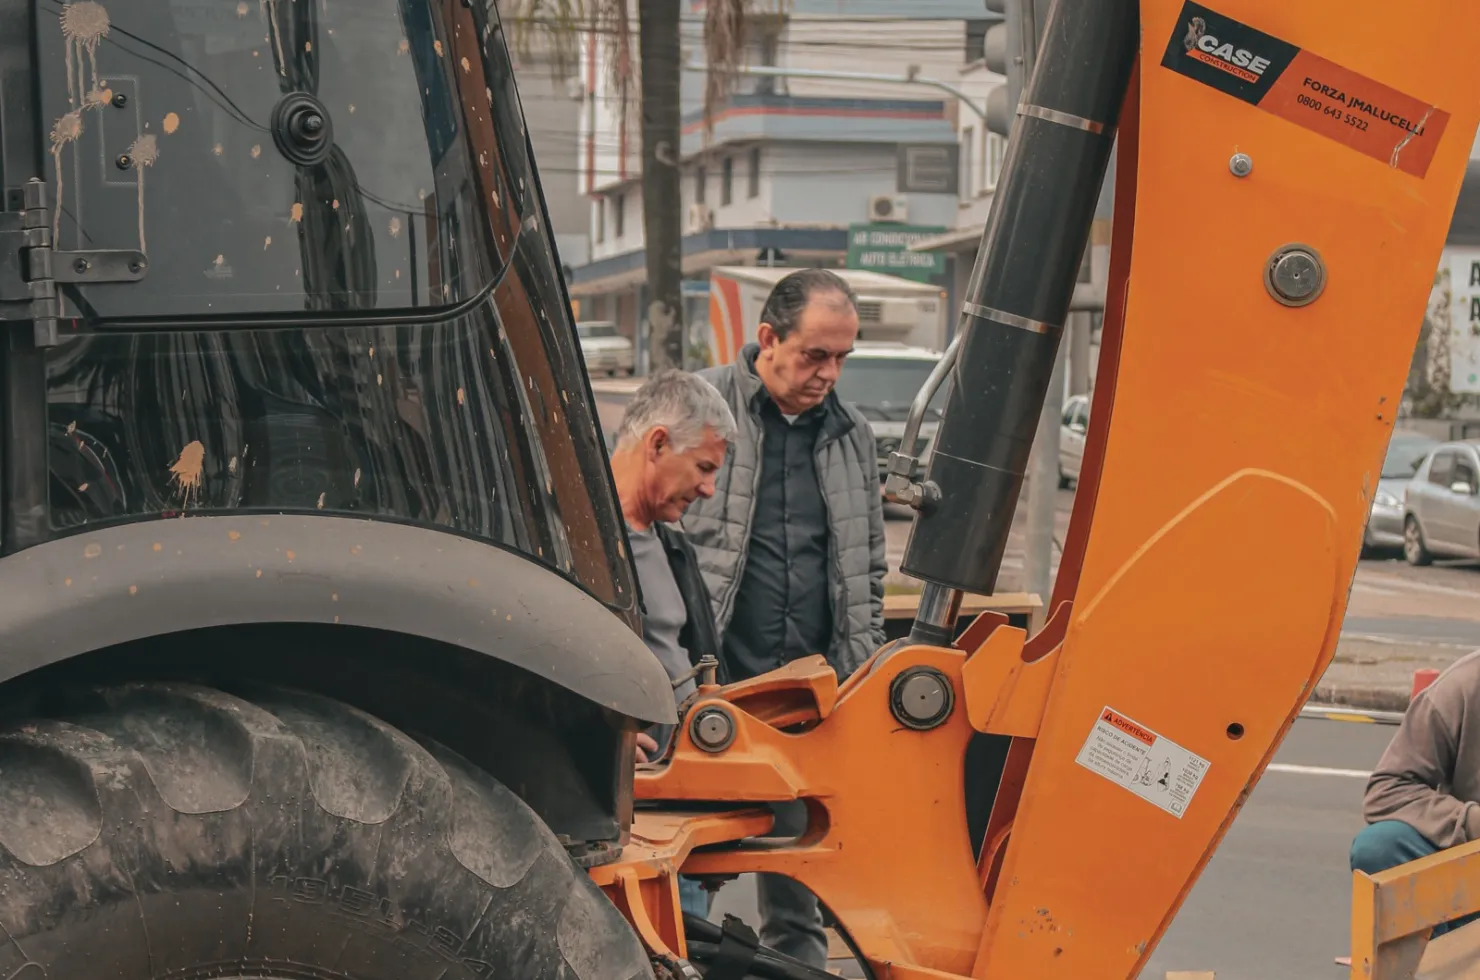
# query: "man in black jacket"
[[670, 445]]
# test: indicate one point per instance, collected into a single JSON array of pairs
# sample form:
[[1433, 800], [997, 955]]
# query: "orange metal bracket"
[[1233, 421], [913, 901], [907, 899], [644, 884]]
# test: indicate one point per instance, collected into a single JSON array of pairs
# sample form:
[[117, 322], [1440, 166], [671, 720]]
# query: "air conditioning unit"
[[701, 218], [887, 207]]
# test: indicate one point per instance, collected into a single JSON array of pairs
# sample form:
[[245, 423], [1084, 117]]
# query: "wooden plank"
[[903, 606], [1452, 956]]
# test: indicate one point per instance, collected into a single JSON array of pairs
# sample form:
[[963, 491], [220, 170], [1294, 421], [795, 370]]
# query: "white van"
[[882, 379]]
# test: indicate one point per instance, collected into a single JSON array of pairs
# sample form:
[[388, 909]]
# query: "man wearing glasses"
[[791, 545]]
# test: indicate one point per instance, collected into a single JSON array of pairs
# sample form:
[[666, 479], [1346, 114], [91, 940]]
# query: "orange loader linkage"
[[1284, 182]]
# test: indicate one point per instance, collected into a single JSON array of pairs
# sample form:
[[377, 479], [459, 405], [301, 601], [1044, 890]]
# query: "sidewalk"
[[1378, 675]]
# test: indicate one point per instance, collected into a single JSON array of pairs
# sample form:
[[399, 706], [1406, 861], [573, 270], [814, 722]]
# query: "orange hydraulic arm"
[[1286, 175]]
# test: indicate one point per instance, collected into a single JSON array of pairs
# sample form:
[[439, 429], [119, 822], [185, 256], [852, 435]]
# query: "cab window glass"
[[246, 150]]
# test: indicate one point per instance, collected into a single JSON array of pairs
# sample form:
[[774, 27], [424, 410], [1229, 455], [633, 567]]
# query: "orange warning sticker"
[[1129, 727], [1306, 89]]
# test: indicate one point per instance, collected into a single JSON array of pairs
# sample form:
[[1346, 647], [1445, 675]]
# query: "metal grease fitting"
[[1295, 275]]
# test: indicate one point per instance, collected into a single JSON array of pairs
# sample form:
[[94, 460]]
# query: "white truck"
[[889, 309]]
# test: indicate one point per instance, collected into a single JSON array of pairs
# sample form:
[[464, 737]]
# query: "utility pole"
[[662, 203], [1079, 330]]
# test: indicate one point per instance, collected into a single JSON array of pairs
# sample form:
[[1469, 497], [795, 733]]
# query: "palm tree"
[[656, 72]]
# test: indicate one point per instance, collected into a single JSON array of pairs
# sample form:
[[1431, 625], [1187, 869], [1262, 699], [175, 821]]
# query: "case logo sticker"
[[1301, 87]]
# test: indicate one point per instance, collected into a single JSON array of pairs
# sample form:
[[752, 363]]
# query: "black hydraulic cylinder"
[[1021, 287]]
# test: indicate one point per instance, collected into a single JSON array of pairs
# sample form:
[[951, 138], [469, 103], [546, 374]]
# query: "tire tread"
[[157, 828]]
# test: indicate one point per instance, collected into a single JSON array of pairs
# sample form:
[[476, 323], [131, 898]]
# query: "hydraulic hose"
[[1020, 290], [704, 938]]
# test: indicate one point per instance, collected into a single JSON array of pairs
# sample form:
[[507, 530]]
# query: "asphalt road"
[[1424, 629], [1274, 902]]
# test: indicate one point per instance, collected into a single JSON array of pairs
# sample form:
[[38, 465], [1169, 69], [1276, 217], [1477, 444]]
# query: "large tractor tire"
[[172, 831]]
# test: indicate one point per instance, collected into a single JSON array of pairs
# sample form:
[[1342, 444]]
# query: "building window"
[[600, 210], [726, 180], [968, 147], [761, 50], [619, 214], [928, 168], [994, 151], [768, 59], [976, 39], [755, 172], [701, 177]]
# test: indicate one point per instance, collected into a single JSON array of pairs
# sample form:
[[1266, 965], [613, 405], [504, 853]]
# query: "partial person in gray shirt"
[[670, 445], [1424, 795]]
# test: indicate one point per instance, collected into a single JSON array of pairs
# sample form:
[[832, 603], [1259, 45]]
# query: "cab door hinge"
[[28, 293], [30, 268]]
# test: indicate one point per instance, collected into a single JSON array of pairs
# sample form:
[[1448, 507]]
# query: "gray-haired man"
[[792, 542], [670, 445]]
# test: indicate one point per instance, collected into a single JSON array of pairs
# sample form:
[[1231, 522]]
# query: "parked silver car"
[[1406, 453], [1073, 431], [1442, 505]]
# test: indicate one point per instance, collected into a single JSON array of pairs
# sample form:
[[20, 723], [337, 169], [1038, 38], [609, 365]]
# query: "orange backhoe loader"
[[319, 636], [1010, 806]]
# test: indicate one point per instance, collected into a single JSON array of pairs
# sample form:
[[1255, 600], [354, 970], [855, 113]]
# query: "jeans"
[[1389, 843], [791, 920], [692, 897]]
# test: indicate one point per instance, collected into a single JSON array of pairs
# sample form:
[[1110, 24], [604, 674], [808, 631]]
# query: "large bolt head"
[[713, 729], [1295, 275], [921, 698]]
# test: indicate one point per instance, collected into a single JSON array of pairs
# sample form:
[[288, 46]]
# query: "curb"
[[1362, 697]]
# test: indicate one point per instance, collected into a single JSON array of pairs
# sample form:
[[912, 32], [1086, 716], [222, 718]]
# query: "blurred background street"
[[1400, 618]]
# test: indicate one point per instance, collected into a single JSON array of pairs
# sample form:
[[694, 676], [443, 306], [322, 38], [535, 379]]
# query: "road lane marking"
[[1409, 585], [1332, 712], [1347, 716], [1390, 640], [1316, 770]]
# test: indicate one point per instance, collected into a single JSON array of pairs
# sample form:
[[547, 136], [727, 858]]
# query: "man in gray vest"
[[791, 545]]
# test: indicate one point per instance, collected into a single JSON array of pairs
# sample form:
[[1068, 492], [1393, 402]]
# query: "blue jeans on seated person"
[[692, 897], [1389, 843]]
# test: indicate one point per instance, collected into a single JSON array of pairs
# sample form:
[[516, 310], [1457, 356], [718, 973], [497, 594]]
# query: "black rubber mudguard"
[[93, 590]]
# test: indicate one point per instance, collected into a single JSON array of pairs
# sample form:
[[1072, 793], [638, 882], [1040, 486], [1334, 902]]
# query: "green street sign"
[[885, 248]]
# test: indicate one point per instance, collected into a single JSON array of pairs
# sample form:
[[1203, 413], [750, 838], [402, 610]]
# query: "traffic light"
[[1000, 47]]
